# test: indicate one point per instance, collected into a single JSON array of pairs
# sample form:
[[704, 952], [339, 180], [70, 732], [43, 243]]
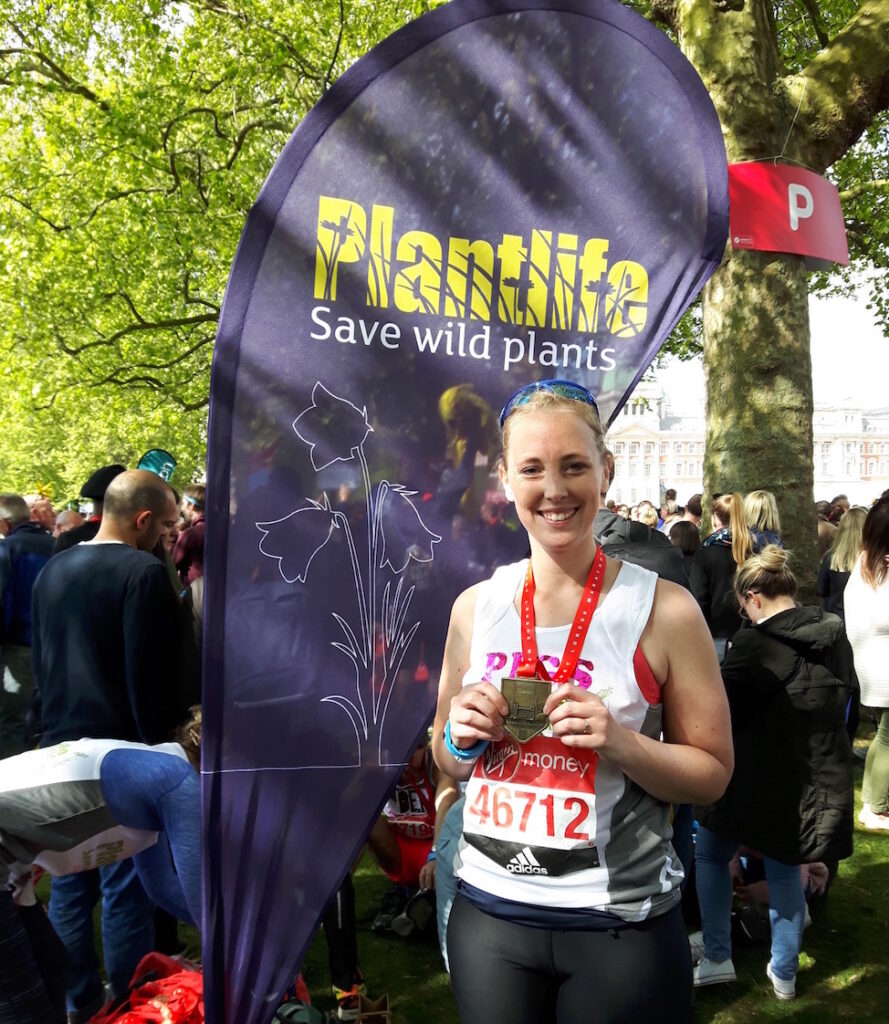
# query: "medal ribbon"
[[531, 665]]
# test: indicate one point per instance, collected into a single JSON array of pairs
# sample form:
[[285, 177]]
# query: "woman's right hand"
[[477, 713]]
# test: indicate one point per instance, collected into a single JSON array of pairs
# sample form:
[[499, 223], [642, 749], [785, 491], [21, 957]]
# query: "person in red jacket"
[[188, 552]]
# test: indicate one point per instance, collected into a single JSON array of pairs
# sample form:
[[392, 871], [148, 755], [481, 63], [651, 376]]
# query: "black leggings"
[[502, 971]]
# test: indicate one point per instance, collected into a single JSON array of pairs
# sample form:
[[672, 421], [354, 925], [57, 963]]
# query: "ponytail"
[[729, 510]]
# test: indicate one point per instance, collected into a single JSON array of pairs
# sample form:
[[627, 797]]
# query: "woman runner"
[[556, 688]]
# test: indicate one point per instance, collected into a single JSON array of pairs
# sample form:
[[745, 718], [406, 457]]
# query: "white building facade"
[[654, 450]]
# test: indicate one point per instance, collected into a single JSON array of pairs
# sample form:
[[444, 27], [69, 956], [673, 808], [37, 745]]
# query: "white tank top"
[[553, 826]]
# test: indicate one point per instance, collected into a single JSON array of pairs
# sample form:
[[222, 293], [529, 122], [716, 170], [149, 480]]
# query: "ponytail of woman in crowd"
[[713, 567], [762, 519], [837, 564]]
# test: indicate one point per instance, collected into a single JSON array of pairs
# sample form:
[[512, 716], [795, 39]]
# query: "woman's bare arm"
[[695, 761]]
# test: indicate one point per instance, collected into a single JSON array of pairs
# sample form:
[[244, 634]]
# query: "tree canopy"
[[136, 138]]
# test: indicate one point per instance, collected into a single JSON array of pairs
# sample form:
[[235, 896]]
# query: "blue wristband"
[[470, 754], [431, 855]]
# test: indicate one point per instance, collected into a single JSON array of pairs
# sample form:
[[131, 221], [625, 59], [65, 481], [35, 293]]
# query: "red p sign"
[[782, 208]]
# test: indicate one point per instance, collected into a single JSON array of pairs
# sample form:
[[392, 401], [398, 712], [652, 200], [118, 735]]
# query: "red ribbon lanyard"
[[531, 665]]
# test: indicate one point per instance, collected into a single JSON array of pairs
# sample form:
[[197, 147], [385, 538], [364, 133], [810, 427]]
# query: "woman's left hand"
[[579, 718]]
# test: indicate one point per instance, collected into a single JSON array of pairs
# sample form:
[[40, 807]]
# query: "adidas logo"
[[525, 863]]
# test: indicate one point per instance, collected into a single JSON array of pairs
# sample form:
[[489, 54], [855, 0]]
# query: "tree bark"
[[757, 362]]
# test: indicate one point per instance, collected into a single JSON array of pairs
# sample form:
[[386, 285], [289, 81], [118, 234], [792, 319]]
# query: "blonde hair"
[[761, 511], [847, 542], [766, 573], [729, 510], [188, 735], [546, 401], [648, 516]]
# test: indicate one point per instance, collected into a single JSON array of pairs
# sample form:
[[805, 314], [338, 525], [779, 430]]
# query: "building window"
[[633, 494], [619, 448], [649, 447], [648, 468], [634, 467], [677, 469], [634, 448], [677, 448], [824, 469], [664, 447]]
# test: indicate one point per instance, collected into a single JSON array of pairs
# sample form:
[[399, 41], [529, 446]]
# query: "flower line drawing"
[[334, 429]]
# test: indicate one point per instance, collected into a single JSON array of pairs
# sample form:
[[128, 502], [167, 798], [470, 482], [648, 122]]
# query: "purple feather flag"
[[500, 192]]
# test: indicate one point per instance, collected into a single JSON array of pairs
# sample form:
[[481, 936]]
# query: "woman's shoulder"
[[500, 588]]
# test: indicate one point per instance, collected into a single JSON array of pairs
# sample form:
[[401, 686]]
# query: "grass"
[[844, 969]]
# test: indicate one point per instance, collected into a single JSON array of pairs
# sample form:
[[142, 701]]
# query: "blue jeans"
[[445, 882], [160, 793], [787, 903], [127, 929]]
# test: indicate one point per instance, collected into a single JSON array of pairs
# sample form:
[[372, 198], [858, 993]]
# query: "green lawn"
[[844, 973]]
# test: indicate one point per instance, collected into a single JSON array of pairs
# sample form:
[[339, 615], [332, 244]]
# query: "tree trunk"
[[758, 371], [757, 362]]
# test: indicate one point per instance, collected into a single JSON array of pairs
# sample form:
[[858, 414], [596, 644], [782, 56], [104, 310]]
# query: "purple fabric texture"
[[499, 192]]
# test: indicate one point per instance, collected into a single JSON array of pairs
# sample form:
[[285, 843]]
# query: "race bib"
[[535, 798]]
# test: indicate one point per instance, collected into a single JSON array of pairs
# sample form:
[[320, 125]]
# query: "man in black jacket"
[[106, 635]]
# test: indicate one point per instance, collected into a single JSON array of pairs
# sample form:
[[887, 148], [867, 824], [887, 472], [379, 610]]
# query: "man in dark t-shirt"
[[105, 643]]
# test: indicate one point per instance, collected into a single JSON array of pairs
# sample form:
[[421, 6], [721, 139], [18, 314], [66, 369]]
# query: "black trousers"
[[33, 966], [502, 971]]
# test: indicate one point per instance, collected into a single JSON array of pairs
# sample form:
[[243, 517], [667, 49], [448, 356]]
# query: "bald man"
[[105, 646]]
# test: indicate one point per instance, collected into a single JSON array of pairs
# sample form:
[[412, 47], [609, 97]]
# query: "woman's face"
[[556, 474]]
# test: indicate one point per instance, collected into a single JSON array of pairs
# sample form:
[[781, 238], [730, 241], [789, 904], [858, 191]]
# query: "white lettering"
[[317, 312], [798, 212]]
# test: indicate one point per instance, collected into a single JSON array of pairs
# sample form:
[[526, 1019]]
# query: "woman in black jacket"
[[713, 568], [790, 798]]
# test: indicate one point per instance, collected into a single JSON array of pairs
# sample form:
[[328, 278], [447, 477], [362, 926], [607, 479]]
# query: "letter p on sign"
[[801, 203]]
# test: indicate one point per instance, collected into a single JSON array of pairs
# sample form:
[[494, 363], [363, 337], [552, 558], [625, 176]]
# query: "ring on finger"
[[586, 728]]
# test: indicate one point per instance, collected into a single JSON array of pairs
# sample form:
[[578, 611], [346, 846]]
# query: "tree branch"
[[816, 21], [336, 49], [877, 185], [842, 89], [277, 126]]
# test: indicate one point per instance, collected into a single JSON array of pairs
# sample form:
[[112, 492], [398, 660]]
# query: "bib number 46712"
[[518, 810]]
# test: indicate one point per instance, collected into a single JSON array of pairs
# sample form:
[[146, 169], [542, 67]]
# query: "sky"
[[850, 359]]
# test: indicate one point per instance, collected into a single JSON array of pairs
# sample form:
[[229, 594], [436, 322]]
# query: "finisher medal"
[[525, 698], [526, 692]]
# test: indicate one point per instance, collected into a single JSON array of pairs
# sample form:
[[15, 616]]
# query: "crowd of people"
[[563, 824]]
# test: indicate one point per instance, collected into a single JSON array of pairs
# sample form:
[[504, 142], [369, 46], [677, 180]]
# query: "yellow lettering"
[[563, 287], [593, 264], [626, 299], [538, 278], [418, 285], [379, 268], [341, 238], [470, 279]]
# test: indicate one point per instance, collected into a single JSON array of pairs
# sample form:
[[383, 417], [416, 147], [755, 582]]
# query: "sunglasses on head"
[[562, 388]]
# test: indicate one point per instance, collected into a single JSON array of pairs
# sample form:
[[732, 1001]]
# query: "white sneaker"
[[696, 946], [712, 972], [863, 813], [874, 820], [783, 989]]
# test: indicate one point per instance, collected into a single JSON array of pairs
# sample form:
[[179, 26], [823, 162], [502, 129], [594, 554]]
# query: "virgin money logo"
[[501, 760]]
